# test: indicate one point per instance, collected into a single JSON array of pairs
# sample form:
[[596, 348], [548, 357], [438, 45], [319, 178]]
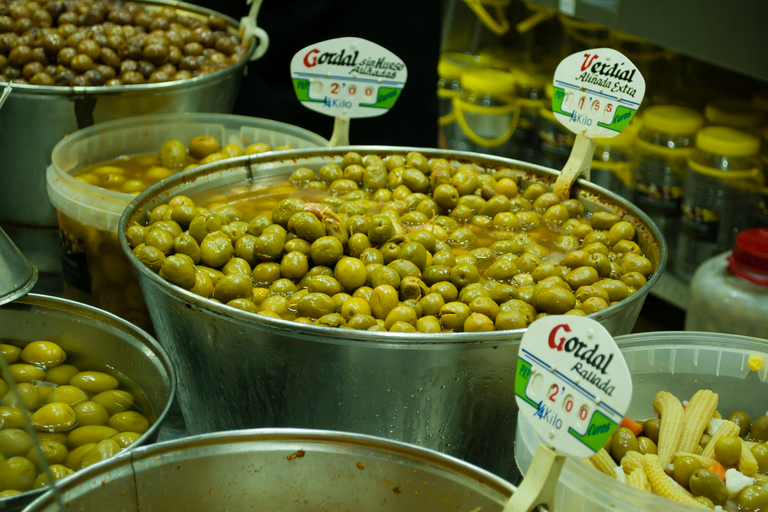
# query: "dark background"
[[408, 28]]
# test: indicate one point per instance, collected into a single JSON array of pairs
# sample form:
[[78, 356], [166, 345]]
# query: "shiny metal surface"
[[452, 392], [17, 274], [104, 337], [35, 118], [282, 470]]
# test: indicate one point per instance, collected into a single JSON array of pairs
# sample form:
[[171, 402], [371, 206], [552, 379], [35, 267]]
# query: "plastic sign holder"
[[347, 78], [574, 386], [595, 95]]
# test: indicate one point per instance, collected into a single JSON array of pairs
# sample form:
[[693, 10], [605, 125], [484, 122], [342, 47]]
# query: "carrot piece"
[[632, 425], [719, 470]]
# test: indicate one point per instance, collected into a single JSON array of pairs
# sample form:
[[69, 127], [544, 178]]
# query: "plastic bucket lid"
[[101, 208]]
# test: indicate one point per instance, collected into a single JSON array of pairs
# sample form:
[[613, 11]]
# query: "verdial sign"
[[572, 383], [597, 92], [348, 77]]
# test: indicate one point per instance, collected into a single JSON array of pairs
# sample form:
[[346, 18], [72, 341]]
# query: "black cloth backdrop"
[[408, 28]]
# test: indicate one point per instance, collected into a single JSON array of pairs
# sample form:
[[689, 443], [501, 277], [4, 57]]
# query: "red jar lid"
[[750, 255]]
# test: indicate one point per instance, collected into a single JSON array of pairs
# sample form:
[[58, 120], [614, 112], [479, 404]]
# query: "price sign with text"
[[572, 383], [348, 77], [597, 92]]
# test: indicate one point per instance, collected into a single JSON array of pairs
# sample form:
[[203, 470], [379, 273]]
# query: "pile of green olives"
[[397, 243], [81, 417]]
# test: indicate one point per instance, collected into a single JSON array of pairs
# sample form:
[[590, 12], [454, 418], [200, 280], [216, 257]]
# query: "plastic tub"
[[88, 332], [286, 469], [94, 269], [678, 362]]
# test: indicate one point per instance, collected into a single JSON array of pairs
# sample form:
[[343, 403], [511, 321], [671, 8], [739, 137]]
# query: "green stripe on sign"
[[558, 95], [521, 381], [621, 119], [386, 98], [598, 432], [301, 86]]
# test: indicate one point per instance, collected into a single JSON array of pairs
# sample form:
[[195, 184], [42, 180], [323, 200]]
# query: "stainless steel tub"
[[35, 118], [450, 392], [282, 470], [104, 337]]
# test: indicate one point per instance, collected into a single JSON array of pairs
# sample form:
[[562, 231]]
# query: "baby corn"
[[662, 484], [671, 413], [639, 480], [747, 460], [705, 462], [696, 417], [604, 462], [631, 461]]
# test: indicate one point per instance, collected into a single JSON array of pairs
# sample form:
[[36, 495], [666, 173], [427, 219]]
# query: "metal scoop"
[[17, 274]]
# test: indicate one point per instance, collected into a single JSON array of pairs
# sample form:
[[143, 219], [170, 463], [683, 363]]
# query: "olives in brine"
[[623, 441]]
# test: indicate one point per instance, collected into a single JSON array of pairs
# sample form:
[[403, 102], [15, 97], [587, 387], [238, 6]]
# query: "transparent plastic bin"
[[94, 269], [678, 362]]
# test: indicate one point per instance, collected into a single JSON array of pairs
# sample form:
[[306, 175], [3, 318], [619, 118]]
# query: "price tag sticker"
[[597, 92], [572, 384], [349, 77]]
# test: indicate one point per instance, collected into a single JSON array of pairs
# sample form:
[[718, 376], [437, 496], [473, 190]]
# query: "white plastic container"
[[93, 266], [678, 362], [729, 292]]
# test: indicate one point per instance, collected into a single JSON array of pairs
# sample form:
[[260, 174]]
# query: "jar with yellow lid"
[[581, 35], [663, 146], [530, 96], [735, 113], [614, 160], [555, 140], [486, 112], [449, 70], [720, 198]]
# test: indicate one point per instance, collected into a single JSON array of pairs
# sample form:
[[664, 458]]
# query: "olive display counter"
[[94, 338], [282, 469], [681, 363], [26, 148], [453, 392], [94, 269]]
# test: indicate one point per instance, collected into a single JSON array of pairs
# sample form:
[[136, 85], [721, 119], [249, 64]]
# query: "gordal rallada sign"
[[349, 77], [597, 92], [572, 383]]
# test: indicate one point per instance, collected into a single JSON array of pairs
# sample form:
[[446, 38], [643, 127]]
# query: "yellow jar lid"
[[672, 119], [549, 89], [760, 99], [452, 65], [726, 141], [489, 81], [499, 57], [735, 113], [623, 140]]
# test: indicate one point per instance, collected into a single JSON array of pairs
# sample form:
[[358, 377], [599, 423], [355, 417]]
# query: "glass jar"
[[581, 35], [530, 96], [652, 63], [449, 70], [555, 140], [614, 160], [720, 195], [729, 292], [739, 114], [663, 147], [469, 25], [486, 112]]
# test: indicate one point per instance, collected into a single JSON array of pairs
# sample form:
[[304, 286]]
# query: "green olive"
[[216, 249], [743, 420], [623, 441], [202, 146], [326, 250], [704, 482], [179, 269], [683, 468], [17, 473], [753, 498], [651, 429], [233, 286], [14, 442], [759, 430], [351, 273], [294, 265], [728, 450], [645, 445], [760, 451]]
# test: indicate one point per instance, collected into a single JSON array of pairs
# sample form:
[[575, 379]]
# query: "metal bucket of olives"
[[95, 343], [283, 469], [453, 391], [71, 100]]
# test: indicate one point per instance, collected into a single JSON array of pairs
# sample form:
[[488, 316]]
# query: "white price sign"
[[572, 383], [597, 92], [349, 77]]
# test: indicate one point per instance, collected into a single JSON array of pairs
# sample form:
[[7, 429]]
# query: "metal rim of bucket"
[[140, 89], [164, 190], [98, 315], [384, 447]]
